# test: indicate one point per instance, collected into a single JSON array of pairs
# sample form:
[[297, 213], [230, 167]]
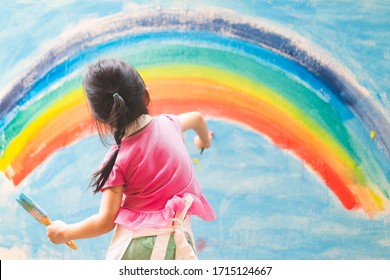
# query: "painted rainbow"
[[234, 69]]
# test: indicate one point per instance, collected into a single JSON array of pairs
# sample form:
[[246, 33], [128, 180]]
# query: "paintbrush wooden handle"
[[47, 222], [71, 244]]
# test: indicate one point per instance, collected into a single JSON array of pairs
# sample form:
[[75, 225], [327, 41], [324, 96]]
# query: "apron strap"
[[184, 250], [160, 247]]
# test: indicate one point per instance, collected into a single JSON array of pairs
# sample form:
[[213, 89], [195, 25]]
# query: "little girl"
[[147, 179]]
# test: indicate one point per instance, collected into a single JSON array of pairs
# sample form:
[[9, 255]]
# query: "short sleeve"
[[116, 178]]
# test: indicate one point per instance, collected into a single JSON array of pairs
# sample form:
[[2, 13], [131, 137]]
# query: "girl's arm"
[[95, 225], [195, 121]]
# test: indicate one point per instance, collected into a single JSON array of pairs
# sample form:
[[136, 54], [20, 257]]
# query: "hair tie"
[[118, 146], [115, 94]]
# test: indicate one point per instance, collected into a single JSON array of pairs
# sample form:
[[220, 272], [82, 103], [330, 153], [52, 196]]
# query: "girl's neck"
[[139, 124]]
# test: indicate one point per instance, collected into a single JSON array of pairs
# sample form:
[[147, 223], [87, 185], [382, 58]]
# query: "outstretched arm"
[[195, 121], [98, 224]]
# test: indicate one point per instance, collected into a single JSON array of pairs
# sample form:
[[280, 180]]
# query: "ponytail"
[[118, 122], [117, 96]]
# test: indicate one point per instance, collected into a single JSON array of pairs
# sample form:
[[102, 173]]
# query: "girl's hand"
[[56, 232], [195, 121], [202, 145]]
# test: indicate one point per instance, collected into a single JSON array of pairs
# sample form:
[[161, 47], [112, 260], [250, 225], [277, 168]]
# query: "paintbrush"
[[211, 134], [38, 213]]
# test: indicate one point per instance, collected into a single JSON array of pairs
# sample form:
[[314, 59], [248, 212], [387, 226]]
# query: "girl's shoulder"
[[171, 118]]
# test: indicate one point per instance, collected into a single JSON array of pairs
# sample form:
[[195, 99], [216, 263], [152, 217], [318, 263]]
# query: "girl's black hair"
[[117, 96]]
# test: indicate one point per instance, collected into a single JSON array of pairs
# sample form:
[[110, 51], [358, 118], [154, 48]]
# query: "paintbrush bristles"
[[37, 215], [31, 207], [24, 202]]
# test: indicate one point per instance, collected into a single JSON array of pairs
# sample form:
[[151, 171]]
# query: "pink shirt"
[[156, 171]]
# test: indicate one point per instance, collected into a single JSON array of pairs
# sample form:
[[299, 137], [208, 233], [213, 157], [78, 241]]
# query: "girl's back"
[[153, 165]]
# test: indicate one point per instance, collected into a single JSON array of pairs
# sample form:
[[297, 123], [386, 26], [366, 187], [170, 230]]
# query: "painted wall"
[[296, 92]]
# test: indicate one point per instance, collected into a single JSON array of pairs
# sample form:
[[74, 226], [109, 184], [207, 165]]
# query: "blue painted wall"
[[269, 204]]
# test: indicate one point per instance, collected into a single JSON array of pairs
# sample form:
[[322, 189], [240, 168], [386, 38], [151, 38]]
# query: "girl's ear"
[[147, 97]]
